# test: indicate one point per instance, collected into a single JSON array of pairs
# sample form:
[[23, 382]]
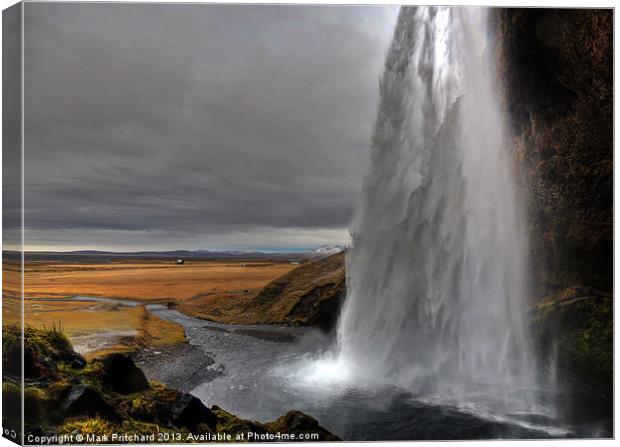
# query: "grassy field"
[[96, 328], [149, 281]]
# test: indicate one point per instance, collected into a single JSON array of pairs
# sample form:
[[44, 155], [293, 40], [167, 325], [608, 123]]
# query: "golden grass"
[[49, 283], [277, 302], [149, 280], [82, 319], [156, 331], [11, 296]]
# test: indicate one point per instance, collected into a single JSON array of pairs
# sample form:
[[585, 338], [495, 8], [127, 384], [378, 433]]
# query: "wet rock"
[[557, 69], [122, 375], [576, 328], [38, 366], [84, 400], [78, 363], [188, 411]]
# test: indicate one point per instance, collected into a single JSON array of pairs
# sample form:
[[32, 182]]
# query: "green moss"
[[34, 404], [589, 347], [92, 369], [89, 426], [54, 393], [580, 324], [143, 413], [39, 347], [11, 337], [229, 423], [46, 342], [136, 427], [10, 389]]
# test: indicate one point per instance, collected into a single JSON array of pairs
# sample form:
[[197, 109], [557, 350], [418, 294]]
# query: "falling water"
[[436, 275]]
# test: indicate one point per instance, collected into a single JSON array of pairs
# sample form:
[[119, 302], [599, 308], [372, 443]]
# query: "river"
[[261, 372]]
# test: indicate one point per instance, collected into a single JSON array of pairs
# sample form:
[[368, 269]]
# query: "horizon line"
[[199, 250]]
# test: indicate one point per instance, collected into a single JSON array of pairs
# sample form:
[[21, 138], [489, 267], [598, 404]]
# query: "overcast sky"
[[198, 127]]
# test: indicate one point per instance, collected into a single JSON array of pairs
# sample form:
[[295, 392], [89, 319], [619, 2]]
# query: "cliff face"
[[311, 294], [557, 67], [308, 295]]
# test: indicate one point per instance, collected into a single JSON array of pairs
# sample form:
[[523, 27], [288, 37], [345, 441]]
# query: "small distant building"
[[180, 261]]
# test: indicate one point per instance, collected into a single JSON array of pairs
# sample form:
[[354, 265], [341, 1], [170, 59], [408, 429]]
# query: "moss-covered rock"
[[122, 374], [63, 397], [43, 350], [296, 423], [576, 324], [84, 400]]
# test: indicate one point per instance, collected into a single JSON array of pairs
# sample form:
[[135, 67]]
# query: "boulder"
[[72, 358], [188, 411], [296, 422], [122, 375], [84, 400], [78, 363]]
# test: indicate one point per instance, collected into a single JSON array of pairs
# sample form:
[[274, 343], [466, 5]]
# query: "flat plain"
[[149, 281], [58, 293]]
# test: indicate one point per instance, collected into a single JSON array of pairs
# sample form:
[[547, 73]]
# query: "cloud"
[[194, 122]]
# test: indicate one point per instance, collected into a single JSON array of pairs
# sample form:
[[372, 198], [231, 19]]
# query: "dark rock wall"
[[556, 66]]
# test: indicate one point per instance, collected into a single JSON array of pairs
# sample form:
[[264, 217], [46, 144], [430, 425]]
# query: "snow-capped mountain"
[[329, 249]]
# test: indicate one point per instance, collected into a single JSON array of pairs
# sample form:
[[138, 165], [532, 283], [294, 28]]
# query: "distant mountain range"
[[320, 252]]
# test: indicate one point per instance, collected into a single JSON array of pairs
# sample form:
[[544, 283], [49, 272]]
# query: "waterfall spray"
[[437, 272]]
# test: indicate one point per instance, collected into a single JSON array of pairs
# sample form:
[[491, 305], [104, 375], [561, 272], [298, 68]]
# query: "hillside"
[[310, 294]]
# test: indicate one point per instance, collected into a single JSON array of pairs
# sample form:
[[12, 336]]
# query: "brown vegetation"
[[49, 284], [117, 328], [233, 292], [311, 294], [158, 281]]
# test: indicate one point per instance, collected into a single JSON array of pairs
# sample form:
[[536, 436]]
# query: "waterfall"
[[437, 286]]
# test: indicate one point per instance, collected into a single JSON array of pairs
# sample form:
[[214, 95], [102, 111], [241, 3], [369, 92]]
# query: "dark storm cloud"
[[189, 123]]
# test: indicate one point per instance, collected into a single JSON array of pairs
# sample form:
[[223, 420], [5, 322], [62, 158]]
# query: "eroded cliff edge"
[[557, 68]]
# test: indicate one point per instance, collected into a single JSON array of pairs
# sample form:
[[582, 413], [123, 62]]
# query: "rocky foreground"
[[110, 400]]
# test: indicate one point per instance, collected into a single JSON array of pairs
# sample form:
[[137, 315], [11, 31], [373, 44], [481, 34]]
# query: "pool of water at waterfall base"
[[261, 372]]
